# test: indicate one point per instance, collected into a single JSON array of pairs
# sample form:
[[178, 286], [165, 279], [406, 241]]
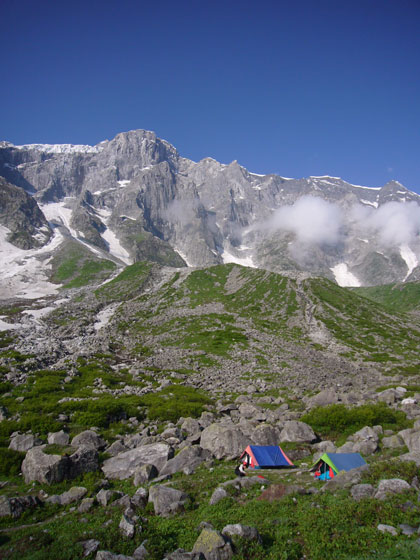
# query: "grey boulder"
[[124, 465], [391, 486], [242, 531], [189, 457], [24, 442], [167, 500], [88, 438], [295, 431], [17, 505], [213, 545], [224, 441]]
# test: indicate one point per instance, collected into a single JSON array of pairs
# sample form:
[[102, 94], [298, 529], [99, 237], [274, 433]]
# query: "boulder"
[[242, 531], [141, 552], [366, 447], [264, 434], [224, 441], [75, 494], [345, 479], [324, 398], [248, 410], [189, 457], [325, 447], [213, 545], [167, 500], [105, 497], [218, 494], [90, 546], [360, 491], [116, 448], [346, 448], [144, 474], [83, 460], [387, 529], [24, 442], [127, 527], [389, 396], [86, 505], [88, 438], [366, 434], [392, 442], [206, 419], [190, 426], [408, 457], [295, 431], [140, 498], [58, 438], [43, 468], [124, 465], [17, 505], [411, 438], [391, 486]]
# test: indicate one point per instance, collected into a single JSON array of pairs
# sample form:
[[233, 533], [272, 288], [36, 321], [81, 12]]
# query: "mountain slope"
[[225, 327]]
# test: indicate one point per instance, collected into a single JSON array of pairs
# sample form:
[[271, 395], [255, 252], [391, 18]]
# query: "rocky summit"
[[136, 198], [157, 316]]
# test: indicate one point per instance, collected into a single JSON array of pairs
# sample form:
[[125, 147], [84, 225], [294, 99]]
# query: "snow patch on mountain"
[[59, 213], [244, 261], [344, 277], [410, 259], [25, 275], [63, 148]]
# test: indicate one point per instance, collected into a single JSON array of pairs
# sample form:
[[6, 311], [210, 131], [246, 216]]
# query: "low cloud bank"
[[395, 223], [313, 221]]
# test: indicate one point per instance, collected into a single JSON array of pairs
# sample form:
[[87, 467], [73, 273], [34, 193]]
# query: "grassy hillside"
[[398, 298]]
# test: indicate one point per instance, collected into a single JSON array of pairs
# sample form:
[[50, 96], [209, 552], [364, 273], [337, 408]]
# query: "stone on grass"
[[88, 438], [411, 438], [190, 426], [105, 497], [392, 442], [391, 486], [295, 431], [127, 527], [58, 438], [24, 442], [242, 531], [144, 473], [324, 398], [17, 505], [86, 505], [140, 497], [141, 552], [90, 546], [167, 500], [189, 457], [83, 460], [44, 468], [75, 494], [345, 479], [387, 529], [360, 491], [218, 494], [213, 545], [124, 465], [116, 448]]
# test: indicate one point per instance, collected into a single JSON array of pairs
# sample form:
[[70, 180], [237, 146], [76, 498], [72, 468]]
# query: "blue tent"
[[265, 457]]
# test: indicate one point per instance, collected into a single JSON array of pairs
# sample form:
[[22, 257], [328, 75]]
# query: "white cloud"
[[396, 223], [311, 219]]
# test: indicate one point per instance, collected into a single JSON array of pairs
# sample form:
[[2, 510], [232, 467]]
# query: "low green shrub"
[[337, 420], [10, 462], [175, 402]]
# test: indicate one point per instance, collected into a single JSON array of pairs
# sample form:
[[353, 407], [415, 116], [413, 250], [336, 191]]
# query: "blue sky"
[[295, 88]]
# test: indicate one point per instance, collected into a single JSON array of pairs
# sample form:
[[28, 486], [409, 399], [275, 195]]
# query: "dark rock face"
[[21, 215]]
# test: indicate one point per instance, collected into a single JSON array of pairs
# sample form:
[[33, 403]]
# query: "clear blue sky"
[[295, 88]]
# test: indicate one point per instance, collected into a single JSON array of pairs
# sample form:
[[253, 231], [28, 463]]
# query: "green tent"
[[330, 464]]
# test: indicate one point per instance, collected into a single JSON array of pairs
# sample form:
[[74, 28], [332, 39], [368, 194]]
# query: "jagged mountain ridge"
[[136, 198]]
